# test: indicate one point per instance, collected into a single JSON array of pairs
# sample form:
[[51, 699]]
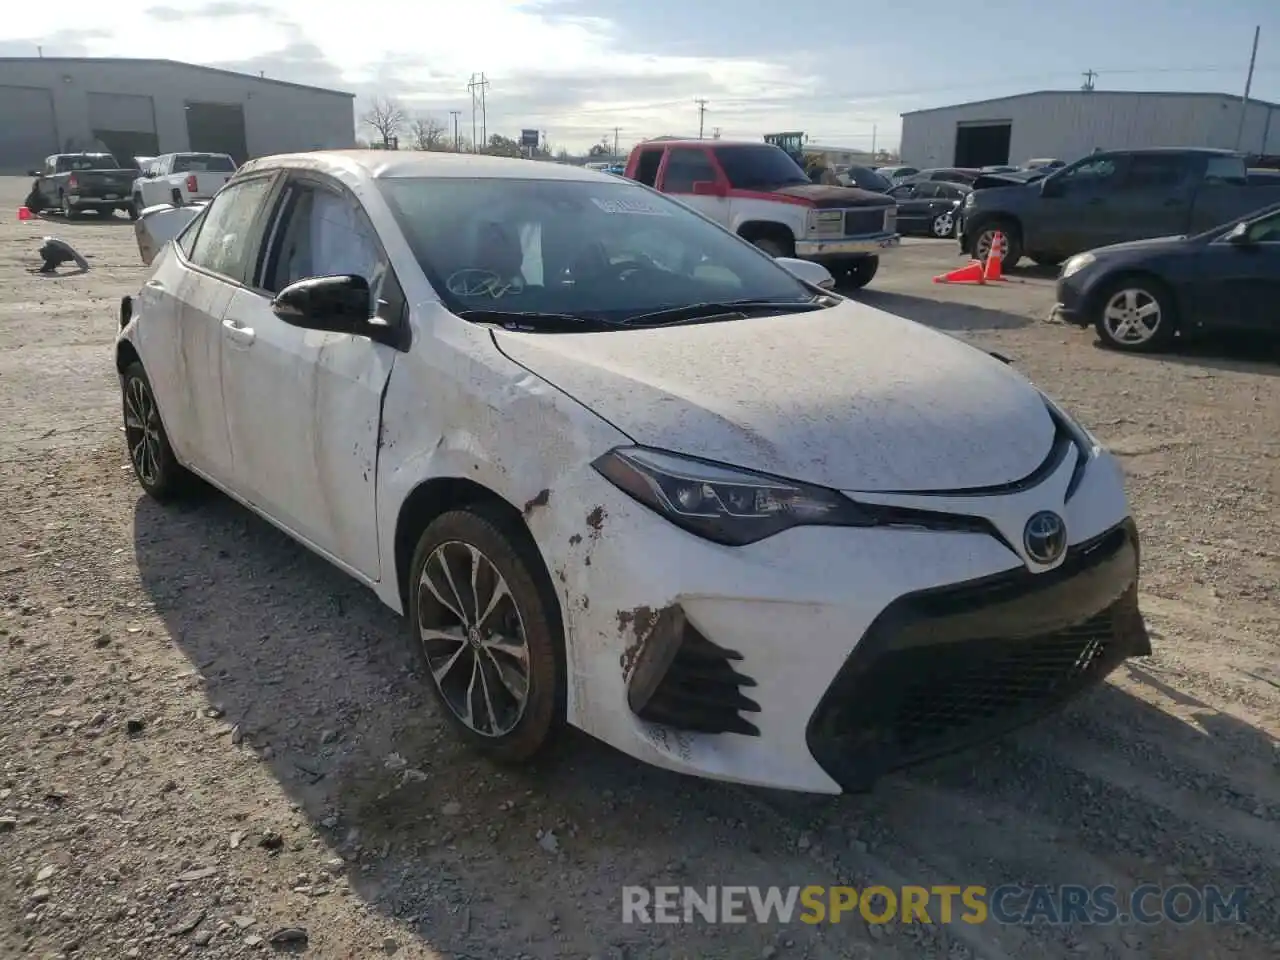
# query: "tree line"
[[392, 127]]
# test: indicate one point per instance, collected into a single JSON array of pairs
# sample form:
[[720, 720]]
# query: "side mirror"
[[334, 304], [33, 173], [1239, 235], [709, 188], [807, 271]]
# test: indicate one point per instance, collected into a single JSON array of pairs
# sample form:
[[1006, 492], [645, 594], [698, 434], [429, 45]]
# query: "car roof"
[[706, 143], [395, 164]]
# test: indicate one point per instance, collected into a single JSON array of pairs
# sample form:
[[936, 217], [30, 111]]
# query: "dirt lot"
[[209, 736]]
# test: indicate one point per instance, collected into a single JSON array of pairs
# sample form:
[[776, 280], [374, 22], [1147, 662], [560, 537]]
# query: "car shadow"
[[1229, 353], [86, 220], [946, 315], [311, 675], [317, 677]]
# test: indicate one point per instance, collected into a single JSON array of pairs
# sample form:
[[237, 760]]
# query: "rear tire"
[[493, 658], [1136, 315], [155, 466]]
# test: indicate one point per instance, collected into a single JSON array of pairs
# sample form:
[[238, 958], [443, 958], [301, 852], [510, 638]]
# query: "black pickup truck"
[[75, 182], [1110, 197]]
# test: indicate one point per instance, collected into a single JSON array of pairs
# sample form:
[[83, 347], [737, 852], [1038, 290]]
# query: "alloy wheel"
[[474, 639], [1132, 316], [944, 224], [142, 431]]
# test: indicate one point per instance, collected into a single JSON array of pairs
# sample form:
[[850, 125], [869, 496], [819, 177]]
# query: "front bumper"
[[820, 250], [750, 664], [1071, 306], [942, 669]]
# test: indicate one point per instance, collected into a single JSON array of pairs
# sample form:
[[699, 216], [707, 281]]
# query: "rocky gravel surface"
[[213, 744]]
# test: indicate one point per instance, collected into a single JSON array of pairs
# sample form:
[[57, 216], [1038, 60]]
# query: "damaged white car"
[[621, 470]]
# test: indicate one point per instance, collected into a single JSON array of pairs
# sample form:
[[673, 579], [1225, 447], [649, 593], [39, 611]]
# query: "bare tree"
[[385, 117], [428, 134]]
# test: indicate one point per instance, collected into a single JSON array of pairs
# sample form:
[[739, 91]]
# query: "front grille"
[[858, 222], [701, 691], [945, 669]]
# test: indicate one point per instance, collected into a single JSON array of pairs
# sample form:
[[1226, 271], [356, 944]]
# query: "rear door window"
[[685, 167], [647, 166]]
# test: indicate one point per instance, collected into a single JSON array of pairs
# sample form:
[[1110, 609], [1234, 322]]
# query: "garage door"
[[124, 124], [27, 131]]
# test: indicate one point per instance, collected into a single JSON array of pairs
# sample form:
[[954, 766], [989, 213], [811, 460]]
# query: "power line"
[[477, 88]]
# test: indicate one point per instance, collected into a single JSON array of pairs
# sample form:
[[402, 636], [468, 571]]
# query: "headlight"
[[724, 504], [1077, 263], [1085, 442], [969, 200]]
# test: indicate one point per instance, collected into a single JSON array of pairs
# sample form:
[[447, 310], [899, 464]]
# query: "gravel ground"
[[212, 743]]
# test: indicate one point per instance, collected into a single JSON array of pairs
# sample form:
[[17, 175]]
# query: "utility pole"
[[1248, 85], [484, 113], [874, 130], [471, 89], [455, 114], [1088, 75], [615, 142], [702, 113], [715, 133]]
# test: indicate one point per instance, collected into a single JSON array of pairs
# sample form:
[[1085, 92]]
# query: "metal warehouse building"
[[148, 107], [1069, 124]]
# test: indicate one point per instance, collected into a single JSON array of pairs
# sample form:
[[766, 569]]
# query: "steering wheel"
[[476, 282]]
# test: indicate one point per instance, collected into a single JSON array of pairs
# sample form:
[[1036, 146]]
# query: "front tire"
[[1136, 315], [773, 247], [944, 225], [858, 273], [486, 632], [155, 466], [1012, 243]]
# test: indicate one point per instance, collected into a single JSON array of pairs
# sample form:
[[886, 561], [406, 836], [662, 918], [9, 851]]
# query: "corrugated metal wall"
[[1071, 124], [29, 133], [279, 118]]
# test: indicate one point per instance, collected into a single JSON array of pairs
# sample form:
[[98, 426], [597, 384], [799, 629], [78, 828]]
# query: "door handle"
[[236, 333], [154, 285]]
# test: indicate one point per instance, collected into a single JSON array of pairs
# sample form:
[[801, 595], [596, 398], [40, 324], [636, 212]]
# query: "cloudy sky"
[[578, 68]]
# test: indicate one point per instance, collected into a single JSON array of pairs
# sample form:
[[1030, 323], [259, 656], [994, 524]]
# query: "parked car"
[[76, 182], [965, 175], [928, 207], [180, 178], [1111, 197], [1044, 163], [897, 173], [998, 168], [614, 530], [1140, 295], [757, 191]]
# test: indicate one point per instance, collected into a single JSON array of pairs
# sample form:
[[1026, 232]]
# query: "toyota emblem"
[[1045, 537]]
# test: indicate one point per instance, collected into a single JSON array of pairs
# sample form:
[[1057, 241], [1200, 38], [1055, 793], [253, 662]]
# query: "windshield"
[[868, 179], [599, 250], [759, 167], [199, 162]]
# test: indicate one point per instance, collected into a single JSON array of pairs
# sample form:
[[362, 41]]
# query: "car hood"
[[850, 397], [828, 195], [1138, 245]]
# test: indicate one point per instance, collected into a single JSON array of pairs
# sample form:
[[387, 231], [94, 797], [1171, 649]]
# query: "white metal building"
[[1067, 124], [148, 107]]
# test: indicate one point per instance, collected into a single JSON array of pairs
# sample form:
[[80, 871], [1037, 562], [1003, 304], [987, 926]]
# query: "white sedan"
[[621, 470]]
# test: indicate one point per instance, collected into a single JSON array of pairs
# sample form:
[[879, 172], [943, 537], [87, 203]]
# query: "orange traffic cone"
[[25, 213], [993, 272], [971, 273]]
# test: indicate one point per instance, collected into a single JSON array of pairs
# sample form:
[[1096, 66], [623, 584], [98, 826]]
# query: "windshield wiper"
[[725, 309], [534, 320]]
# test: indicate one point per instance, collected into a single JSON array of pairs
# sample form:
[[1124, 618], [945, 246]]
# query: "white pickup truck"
[[181, 178]]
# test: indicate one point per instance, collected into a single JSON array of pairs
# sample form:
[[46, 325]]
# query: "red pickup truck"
[[760, 193]]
